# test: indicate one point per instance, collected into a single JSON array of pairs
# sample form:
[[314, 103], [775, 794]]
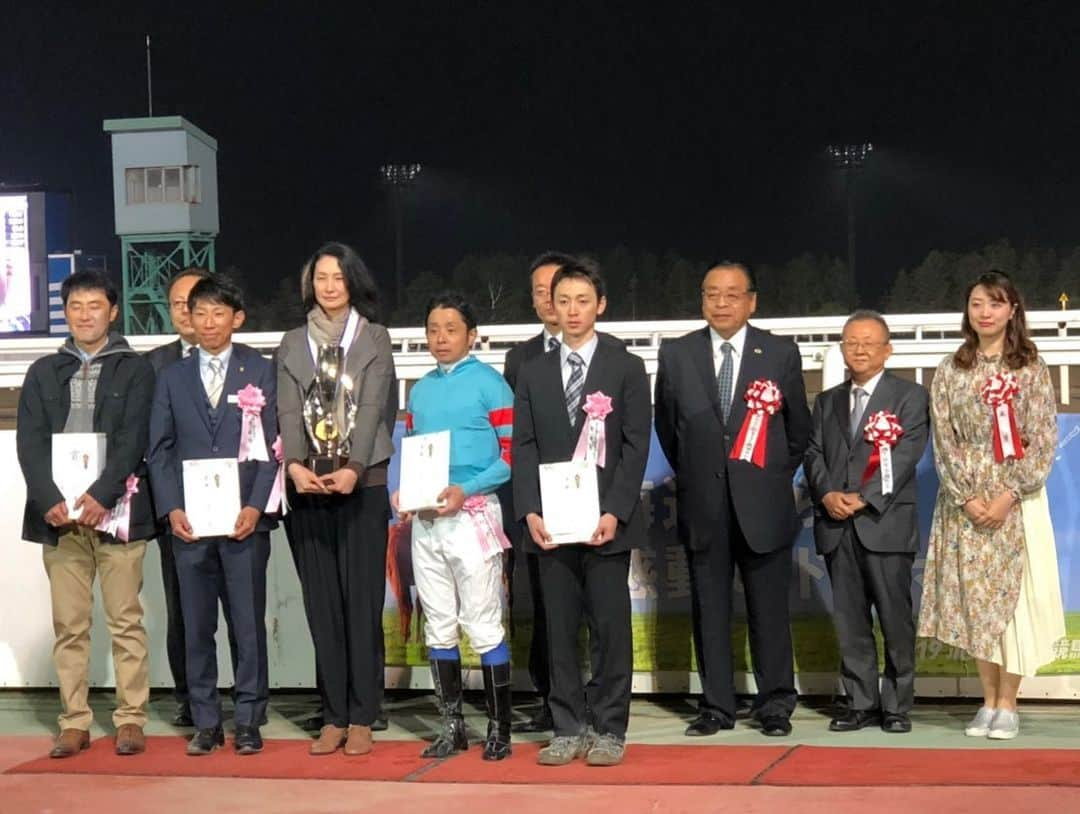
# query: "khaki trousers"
[[71, 567]]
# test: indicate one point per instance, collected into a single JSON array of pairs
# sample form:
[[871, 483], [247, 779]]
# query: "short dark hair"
[[88, 280], [190, 271], [868, 315], [455, 300], [559, 259], [363, 293], [580, 268], [218, 290], [751, 280]]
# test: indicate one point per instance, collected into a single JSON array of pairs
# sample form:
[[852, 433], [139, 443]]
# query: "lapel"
[[235, 378], [880, 399], [105, 377], [590, 385], [356, 356], [703, 360], [842, 411], [551, 381], [750, 367], [535, 346], [200, 400], [297, 358]]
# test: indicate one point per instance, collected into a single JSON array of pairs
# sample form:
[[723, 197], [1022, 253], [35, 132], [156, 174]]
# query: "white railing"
[[919, 342]]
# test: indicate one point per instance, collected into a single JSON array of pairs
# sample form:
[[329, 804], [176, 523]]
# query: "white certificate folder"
[[78, 459], [570, 498], [425, 470], [212, 496]]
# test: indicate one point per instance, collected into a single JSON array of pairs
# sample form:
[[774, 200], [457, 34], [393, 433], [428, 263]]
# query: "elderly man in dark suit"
[[197, 414], [732, 419], [866, 520], [541, 271], [558, 395]]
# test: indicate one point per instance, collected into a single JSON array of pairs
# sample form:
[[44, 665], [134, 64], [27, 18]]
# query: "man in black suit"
[[587, 580], [866, 521], [160, 358], [541, 270], [735, 498]]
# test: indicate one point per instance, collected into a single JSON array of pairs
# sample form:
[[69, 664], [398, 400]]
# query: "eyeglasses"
[[720, 297], [856, 346]]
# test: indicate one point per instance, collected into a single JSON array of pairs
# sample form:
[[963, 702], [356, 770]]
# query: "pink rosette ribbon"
[[275, 501], [999, 392], [592, 443], [763, 400], [118, 521], [882, 430], [252, 441], [487, 520]]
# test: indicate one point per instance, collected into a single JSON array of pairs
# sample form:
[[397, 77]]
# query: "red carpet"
[[846, 766], [644, 765]]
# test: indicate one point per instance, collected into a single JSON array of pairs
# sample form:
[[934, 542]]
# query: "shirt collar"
[[186, 347], [446, 370], [586, 351], [205, 357], [737, 342], [870, 386], [547, 336]]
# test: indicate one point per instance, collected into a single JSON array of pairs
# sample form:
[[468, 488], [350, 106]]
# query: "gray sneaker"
[[980, 724], [563, 749], [1005, 726], [608, 750]]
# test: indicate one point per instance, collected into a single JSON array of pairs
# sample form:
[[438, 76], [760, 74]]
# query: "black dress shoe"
[[855, 719], [540, 722], [247, 740], [708, 723], [205, 741], [381, 722], [775, 726], [896, 723], [182, 716], [315, 723]]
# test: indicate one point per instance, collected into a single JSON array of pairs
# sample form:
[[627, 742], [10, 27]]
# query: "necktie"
[[858, 404], [725, 379], [553, 343], [217, 381], [574, 385]]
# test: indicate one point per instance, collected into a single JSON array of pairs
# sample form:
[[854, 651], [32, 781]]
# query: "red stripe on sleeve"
[[502, 417]]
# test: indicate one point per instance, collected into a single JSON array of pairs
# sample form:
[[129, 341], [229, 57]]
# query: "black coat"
[[122, 399], [542, 434]]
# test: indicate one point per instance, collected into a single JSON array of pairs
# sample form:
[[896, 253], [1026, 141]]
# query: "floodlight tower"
[[165, 199], [398, 177], [850, 158]]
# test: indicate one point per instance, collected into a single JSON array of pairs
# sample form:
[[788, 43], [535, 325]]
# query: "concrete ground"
[[27, 721]]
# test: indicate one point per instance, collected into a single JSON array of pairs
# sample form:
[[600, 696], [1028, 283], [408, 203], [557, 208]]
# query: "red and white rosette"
[[998, 392], [592, 443], [252, 440], [763, 400], [882, 430]]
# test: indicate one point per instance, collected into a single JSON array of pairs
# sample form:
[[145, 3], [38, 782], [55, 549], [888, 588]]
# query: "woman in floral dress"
[[991, 582]]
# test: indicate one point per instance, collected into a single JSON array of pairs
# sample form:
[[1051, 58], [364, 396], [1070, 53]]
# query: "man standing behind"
[[95, 384], [558, 396], [866, 522], [541, 270], [196, 415], [732, 419], [161, 357]]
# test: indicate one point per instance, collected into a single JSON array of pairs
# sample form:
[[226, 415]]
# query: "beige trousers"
[[71, 566]]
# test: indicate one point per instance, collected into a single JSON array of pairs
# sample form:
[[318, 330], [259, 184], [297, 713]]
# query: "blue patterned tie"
[[858, 405], [724, 379], [574, 385], [553, 343]]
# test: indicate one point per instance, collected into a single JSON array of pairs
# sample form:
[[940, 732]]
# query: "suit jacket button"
[[727, 436], [213, 449], [718, 474]]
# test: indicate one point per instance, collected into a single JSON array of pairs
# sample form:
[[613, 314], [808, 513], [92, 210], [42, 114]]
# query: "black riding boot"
[[497, 697], [446, 676]]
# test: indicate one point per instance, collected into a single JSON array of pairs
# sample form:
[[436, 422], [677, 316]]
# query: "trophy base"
[[323, 464]]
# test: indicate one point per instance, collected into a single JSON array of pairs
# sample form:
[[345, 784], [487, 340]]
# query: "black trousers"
[[340, 547], [175, 648], [201, 567], [538, 656], [766, 579], [862, 579], [579, 585]]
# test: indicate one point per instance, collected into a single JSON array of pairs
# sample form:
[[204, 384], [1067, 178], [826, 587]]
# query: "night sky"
[[694, 127]]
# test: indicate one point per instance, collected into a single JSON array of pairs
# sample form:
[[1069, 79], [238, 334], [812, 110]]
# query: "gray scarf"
[[326, 330]]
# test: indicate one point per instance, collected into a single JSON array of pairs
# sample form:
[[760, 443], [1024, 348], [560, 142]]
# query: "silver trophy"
[[329, 432]]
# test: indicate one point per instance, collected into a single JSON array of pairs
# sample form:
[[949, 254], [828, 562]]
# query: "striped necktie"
[[725, 379], [217, 381], [858, 405], [574, 385], [553, 343]]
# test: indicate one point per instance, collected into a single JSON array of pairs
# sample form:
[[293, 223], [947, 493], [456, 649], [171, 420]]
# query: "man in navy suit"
[[195, 415], [735, 499]]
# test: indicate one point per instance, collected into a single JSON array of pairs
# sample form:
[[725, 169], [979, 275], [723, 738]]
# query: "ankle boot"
[[446, 676], [497, 697]]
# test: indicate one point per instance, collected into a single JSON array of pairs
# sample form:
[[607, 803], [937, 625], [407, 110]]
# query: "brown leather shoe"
[[130, 740], [70, 742], [331, 738], [359, 742]]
